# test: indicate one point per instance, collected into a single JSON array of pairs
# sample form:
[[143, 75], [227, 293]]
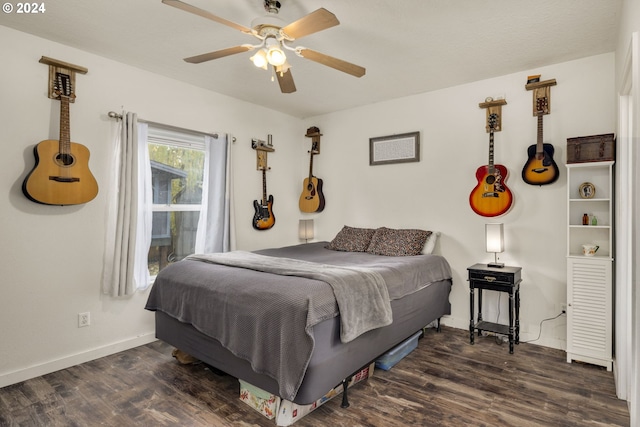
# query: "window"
[[177, 171]]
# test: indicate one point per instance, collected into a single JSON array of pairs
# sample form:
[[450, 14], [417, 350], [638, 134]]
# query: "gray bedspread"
[[250, 312], [361, 293]]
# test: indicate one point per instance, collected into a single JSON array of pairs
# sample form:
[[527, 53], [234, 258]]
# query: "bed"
[[237, 318]]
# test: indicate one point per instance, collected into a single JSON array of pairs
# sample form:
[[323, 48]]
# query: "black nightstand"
[[504, 279]]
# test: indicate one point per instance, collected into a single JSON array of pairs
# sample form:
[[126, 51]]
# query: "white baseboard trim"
[[74, 359], [544, 341]]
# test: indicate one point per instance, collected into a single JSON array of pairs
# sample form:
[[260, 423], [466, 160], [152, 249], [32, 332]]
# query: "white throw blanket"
[[361, 294]]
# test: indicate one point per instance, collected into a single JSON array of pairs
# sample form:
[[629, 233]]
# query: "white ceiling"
[[407, 46]]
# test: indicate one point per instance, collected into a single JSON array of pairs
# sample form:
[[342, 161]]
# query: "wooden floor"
[[444, 382]]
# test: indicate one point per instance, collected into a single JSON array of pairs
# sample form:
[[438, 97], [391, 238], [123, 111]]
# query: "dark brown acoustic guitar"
[[491, 196], [540, 169], [312, 198], [264, 219], [61, 175]]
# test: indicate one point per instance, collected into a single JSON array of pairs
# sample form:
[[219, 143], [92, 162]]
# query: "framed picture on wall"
[[401, 148]]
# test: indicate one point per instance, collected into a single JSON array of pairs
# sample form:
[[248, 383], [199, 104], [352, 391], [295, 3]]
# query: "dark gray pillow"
[[398, 242], [352, 239]]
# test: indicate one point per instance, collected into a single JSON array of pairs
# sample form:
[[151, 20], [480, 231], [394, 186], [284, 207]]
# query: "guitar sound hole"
[[65, 159], [490, 179]]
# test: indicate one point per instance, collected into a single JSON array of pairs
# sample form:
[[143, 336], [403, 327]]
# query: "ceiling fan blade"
[[285, 80], [200, 12], [330, 61], [316, 21], [217, 54]]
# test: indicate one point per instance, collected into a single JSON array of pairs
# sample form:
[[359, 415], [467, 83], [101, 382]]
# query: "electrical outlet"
[[560, 308], [84, 319]]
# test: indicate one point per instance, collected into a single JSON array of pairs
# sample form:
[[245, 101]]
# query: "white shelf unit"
[[589, 278]]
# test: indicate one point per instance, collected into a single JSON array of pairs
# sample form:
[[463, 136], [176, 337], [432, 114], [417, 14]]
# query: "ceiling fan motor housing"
[[272, 6]]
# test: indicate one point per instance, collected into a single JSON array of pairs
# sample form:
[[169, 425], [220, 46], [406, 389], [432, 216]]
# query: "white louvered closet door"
[[589, 311]]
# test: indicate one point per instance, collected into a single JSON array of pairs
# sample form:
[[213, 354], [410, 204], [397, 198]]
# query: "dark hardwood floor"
[[444, 382]]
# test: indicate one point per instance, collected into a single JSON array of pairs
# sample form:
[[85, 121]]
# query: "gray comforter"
[[266, 318], [361, 293]]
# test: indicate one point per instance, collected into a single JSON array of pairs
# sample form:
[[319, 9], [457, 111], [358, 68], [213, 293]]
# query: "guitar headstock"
[[493, 121], [63, 86], [542, 106]]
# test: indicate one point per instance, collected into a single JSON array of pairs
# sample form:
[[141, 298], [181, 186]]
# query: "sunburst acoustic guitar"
[[491, 196], [540, 168], [61, 175]]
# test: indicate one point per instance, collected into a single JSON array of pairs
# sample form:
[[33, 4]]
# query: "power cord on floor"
[[541, 322]]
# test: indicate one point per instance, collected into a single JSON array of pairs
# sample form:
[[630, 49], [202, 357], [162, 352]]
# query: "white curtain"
[[216, 230], [129, 215]]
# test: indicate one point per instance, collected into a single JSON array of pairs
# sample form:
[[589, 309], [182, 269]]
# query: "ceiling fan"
[[274, 36]]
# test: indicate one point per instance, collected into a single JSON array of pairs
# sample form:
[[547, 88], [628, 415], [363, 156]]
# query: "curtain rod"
[[117, 116]]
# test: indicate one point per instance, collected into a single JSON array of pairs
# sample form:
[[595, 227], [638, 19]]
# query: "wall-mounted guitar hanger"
[[493, 106], [55, 67], [541, 91]]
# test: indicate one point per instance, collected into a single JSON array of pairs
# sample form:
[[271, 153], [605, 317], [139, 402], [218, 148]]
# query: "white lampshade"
[[305, 229], [494, 238], [275, 55], [260, 59], [494, 234]]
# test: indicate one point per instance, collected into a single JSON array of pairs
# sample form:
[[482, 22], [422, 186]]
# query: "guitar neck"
[[311, 165], [65, 131], [264, 187], [491, 151], [539, 145]]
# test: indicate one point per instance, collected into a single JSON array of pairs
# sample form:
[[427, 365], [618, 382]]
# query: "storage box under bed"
[[286, 412]]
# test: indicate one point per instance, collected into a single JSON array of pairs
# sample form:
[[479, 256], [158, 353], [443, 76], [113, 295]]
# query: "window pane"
[[176, 175], [175, 245]]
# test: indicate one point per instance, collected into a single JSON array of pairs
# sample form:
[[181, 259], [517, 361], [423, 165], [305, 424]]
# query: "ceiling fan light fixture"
[[276, 56], [260, 59]]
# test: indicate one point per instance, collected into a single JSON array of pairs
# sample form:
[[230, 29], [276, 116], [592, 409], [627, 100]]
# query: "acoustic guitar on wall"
[[312, 198], [540, 168], [61, 175], [264, 219], [491, 196]]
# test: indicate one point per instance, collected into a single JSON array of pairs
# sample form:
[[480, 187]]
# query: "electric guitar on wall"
[[311, 198], [263, 219], [491, 196], [540, 169], [61, 175]]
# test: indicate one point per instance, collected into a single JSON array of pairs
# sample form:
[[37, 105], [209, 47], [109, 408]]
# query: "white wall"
[[627, 367], [51, 256], [51, 259], [433, 194]]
